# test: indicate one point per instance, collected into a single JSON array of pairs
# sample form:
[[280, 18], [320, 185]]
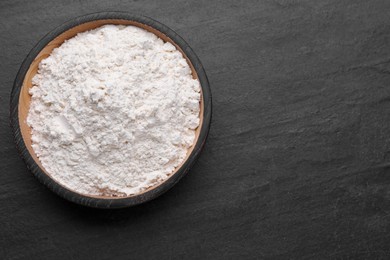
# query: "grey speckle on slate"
[[297, 164]]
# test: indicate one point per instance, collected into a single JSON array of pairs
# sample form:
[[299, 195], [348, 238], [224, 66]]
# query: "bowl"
[[20, 102]]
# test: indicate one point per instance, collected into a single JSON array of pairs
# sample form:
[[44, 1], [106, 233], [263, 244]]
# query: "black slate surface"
[[297, 164]]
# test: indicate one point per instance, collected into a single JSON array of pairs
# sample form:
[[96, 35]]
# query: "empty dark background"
[[297, 164]]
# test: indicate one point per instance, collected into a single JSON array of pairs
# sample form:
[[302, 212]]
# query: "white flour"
[[113, 111]]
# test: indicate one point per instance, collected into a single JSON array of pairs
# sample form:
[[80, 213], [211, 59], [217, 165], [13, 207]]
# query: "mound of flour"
[[113, 111]]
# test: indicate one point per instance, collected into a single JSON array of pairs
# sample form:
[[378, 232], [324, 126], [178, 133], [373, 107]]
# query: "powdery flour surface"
[[113, 111]]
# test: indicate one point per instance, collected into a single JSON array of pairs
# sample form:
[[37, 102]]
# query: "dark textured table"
[[297, 164]]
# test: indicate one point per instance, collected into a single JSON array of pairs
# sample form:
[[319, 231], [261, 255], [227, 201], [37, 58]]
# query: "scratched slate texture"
[[297, 164]]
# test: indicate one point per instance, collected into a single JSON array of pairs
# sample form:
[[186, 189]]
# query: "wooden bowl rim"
[[105, 201]]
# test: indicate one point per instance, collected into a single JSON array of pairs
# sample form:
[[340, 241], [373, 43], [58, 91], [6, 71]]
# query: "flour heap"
[[113, 111]]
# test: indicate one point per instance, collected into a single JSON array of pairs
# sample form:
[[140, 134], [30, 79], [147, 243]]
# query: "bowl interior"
[[25, 98]]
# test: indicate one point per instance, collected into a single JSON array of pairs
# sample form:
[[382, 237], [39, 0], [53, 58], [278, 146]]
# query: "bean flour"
[[113, 111]]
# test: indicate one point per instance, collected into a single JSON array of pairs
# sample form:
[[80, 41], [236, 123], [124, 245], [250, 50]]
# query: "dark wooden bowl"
[[20, 103]]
